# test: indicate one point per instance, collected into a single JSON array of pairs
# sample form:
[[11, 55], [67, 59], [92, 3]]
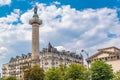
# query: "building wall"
[[115, 65], [109, 55], [48, 59], [5, 70], [103, 55], [16, 66]]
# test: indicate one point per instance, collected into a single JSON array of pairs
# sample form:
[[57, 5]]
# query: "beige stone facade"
[[49, 57], [110, 55], [52, 57], [16, 66]]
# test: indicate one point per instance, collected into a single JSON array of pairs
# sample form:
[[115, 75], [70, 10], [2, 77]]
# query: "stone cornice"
[[109, 58], [108, 48], [35, 20], [101, 52]]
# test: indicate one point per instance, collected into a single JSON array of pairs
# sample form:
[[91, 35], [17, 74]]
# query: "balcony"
[[4, 68]]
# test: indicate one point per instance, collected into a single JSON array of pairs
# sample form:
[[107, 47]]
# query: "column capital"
[[35, 20]]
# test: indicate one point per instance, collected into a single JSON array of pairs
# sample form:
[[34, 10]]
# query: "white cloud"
[[95, 25], [5, 2], [75, 29], [3, 52], [60, 48], [7, 26], [56, 2], [26, 17], [65, 26], [13, 17]]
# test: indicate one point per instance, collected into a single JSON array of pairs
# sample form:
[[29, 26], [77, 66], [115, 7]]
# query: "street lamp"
[[87, 56], [89, 77], [82, 58]]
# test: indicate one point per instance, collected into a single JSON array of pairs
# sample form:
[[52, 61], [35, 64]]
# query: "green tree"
[[75, 72], [117, 76], [35, 73], [101, 71], [10, 78], [53, 74], [63, 69], [2, 78], [87, 75], [27, 74]]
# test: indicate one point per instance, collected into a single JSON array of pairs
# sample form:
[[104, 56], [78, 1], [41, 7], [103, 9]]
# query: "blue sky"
[[68, 24], [77, 4]]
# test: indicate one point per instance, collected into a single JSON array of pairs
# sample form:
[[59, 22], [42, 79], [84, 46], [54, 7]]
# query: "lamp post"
[[87, 57], [82, 58], [89, 77]]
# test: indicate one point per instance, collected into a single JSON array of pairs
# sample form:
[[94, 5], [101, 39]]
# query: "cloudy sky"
[[68, 24]]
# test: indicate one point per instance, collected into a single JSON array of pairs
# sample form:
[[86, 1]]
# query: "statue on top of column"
[[35, 18], [35, 10]]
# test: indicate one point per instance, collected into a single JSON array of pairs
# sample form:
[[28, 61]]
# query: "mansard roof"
[[51, 49], [69, 54], [20, 57], [49, 45], [12, 59]]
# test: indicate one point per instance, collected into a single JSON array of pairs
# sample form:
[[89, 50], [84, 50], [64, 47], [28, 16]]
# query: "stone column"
[[35, 22]]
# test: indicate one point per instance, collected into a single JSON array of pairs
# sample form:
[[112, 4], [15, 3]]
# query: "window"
[[106, 59], [118, 57], [46, 63]]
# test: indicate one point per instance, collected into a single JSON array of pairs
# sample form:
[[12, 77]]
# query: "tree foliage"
[[117, 76], [35, 73], [63, 69], [53, 74], [2, 78], [10, 78], [75, 72], [101, 71], [71, 72]]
